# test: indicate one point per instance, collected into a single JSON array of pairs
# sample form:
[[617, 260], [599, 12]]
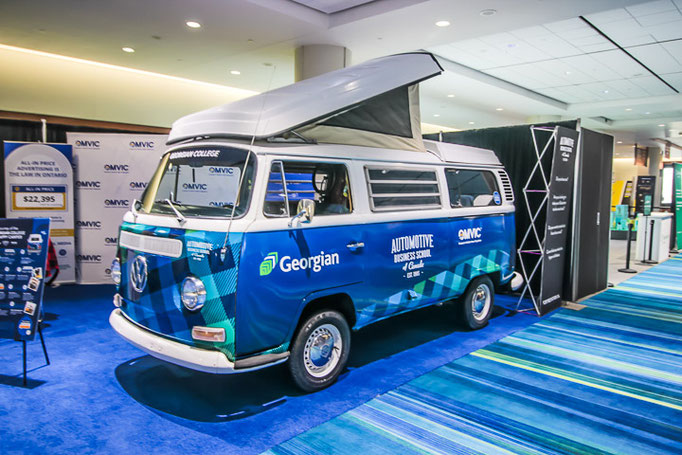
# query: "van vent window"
[[507, 187], [471, 188], [403, 189]]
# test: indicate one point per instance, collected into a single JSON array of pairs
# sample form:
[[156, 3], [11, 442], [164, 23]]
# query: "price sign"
[[38, 197]]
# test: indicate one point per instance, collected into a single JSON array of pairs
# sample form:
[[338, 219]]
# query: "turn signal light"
[[213, 334]]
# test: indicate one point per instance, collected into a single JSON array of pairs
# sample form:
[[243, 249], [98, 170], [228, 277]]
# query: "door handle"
[[355, 246]]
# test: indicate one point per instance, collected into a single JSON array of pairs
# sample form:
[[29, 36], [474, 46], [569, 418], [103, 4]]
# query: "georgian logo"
[[138, 273], [269, 263]]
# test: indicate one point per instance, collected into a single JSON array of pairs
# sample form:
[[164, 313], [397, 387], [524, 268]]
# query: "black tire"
[[313, 364], [476, 304]]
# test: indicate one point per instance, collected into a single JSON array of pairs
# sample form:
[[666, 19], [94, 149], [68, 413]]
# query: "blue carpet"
[[605, 379], [101, 395]]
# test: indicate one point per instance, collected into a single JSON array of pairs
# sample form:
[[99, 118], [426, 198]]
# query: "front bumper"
[[192, 357]]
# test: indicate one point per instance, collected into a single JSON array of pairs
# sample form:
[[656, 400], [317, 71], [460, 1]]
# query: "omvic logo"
[[221, 170], [116, 168], [470, 233], [83, 224], [88, 184], [94, 258], [194, 186], [138, 185], [87, 144], [111, 240], [142, 145], [116, 202]]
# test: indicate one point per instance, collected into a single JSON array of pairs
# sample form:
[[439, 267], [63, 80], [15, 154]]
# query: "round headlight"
[[193, 293], [116, 271]]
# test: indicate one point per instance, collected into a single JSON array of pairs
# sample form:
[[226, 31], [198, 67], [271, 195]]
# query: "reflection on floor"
[[101, 395], [605, 379]]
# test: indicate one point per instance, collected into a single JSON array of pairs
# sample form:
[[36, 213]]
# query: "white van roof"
[[464, 154], [278, 111]]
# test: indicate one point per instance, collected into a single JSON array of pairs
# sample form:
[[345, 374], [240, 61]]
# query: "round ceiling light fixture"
[[235, 72], [451, 96], [628, 109], [499, 109], [662, 125], [193, 24], [443, 24], [436, 115], [471, 123], [488, 12], [129, 50]]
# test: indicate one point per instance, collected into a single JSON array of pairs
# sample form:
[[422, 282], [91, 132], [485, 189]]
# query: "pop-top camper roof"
[[375, 103]]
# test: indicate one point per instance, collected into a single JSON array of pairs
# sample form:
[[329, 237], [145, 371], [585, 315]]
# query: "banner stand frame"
[[23, 351], [533, 217]]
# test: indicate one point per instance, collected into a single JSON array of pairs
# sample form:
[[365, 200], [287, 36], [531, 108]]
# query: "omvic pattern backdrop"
[[111, 171]]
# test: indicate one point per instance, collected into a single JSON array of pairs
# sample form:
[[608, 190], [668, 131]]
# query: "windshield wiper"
[[178, 214]]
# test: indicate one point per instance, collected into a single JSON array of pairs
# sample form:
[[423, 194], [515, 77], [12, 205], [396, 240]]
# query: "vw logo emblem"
[[138, 273]]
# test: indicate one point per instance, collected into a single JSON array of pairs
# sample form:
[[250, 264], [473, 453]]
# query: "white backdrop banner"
[[111, 171], [39, 184]]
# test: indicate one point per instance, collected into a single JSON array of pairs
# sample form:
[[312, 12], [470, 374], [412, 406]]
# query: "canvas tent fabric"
[[375, 104]]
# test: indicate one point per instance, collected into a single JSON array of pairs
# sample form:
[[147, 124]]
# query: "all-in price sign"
[[38, 197]]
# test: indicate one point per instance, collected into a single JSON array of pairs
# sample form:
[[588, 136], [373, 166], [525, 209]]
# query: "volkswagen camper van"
[[277, 224]]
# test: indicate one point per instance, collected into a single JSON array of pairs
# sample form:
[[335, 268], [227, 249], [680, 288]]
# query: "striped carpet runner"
[[604, 379]]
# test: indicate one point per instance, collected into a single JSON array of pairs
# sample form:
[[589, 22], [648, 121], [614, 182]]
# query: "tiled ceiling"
[[332, 6], [572, 62]]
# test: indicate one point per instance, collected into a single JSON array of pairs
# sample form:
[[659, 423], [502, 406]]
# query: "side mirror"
[[305, 212]]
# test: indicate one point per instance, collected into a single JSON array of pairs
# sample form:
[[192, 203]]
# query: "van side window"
[[402, 189], [324, 183], [471, 188]]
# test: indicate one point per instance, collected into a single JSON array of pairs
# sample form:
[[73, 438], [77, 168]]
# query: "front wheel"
[[320, 351], [477, 303]]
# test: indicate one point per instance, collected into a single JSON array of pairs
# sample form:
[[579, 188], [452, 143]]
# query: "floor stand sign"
[[112, 170], [23, 257], [677, 199], [39, 183], [546, 254]]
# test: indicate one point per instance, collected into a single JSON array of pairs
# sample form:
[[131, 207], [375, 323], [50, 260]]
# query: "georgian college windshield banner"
[[111, 171], [39, 183], [558, 211]]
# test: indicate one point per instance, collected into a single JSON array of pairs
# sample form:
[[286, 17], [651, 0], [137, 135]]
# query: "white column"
[[315, 59]]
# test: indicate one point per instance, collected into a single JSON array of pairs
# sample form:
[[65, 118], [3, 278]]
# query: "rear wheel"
[[477, 303], [320, 351]]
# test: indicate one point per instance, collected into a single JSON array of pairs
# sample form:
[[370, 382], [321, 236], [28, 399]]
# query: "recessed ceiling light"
[[451, 96], [606, 91], [647, 113], [488, 12], [619, 142], [193, 24], [436, 115], [129, 50], [443, 24], [471, 123], [628, 109], [235, 72], [499, 109], [662, 125], [568, 73]]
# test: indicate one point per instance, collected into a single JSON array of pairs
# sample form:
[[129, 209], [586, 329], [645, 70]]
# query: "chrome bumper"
[[191, 357]]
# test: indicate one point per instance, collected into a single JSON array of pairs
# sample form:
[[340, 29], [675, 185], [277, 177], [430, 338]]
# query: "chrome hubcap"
[[322, 350], [480, 302]]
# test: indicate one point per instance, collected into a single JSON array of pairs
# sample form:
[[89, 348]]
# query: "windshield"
[[201, 182]]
